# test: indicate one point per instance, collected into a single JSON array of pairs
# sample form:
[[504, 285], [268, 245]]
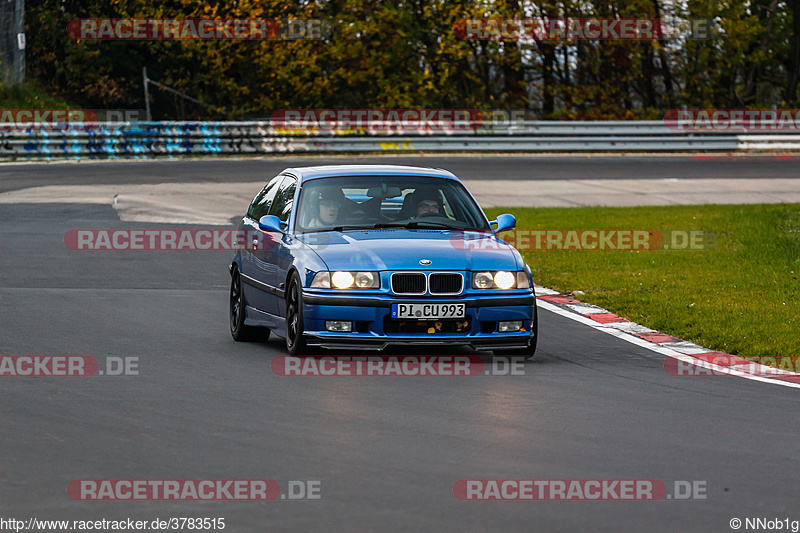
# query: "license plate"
[[425, 311]]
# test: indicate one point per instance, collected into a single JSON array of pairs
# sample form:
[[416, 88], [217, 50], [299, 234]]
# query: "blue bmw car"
[[370, 256]]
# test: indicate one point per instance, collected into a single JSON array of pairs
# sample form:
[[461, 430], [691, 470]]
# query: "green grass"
[[29, 97], [737, 295]]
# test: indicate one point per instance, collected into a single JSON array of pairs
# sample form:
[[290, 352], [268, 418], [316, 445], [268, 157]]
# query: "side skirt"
[[255, 317]]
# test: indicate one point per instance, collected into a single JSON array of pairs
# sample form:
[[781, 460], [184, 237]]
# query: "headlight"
[[504, 280], [346, 280], [342, 280], [501, 279], [367, 280], [482, 280]]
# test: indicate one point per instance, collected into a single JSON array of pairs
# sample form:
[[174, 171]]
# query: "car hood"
[[403, 249]]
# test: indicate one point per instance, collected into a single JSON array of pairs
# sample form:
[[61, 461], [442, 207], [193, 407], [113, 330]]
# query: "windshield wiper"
[[350, 226], [416, 223], [344, 227]]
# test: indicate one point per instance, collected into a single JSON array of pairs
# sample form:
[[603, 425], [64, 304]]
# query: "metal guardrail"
[[769, 142], [146, 139]]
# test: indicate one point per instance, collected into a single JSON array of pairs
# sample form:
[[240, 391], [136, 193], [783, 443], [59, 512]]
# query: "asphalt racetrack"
[[375, 453]]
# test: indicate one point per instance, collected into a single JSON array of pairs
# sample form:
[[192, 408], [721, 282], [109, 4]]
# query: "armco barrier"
[[146, 139]]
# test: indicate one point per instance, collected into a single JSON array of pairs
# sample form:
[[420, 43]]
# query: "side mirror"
[[504, 223], [271, 223]]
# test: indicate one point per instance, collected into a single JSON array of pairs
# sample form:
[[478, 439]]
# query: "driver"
[[326, 202], [428, 202]]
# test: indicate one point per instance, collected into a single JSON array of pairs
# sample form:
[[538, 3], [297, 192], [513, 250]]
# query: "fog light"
[[338, 325], [513, 325]]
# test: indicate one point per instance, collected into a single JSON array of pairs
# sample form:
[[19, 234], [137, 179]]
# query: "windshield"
[[342, 203]]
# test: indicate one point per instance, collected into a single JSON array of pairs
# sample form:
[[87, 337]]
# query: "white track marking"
[[667, 349]]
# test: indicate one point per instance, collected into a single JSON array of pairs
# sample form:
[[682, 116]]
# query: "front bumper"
[[370, 315]]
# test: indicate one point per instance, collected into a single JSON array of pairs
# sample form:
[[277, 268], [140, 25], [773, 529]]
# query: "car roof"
[[330, 171]]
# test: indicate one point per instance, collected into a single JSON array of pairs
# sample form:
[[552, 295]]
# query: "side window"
[[263, 200], [282, 206]]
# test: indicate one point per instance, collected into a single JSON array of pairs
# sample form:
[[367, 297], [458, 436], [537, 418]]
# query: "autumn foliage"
[[404, 55]]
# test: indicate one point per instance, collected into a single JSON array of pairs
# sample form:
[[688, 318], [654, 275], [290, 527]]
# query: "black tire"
[[295, 341], [239, 331], [530, 351]]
